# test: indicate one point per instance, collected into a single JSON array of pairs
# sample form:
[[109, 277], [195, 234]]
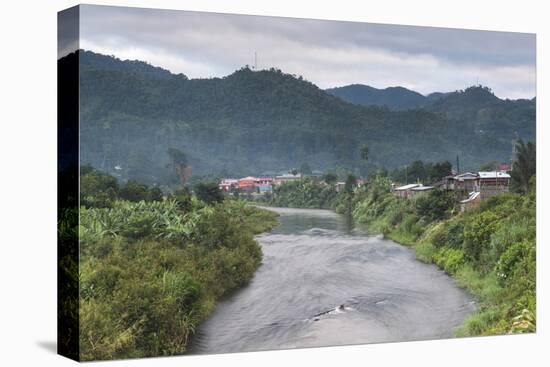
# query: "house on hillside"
[[415, 191], [467, 182], [504, 167], [264, 185], [247, 184], [493, 183], [340, 186], [404, 191], [227, 184]]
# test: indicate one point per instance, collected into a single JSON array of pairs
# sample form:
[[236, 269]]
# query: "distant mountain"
[[93, 61], [478, 110], [471, 99], [395, 98], [432, 97], [255, 121]]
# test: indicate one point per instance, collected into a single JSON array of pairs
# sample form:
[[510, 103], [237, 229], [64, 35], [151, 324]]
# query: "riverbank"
[[152, 271], [490, 250], [149, 280]]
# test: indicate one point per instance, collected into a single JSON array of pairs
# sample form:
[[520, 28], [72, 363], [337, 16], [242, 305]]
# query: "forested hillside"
[[251, 122], [395, 98]]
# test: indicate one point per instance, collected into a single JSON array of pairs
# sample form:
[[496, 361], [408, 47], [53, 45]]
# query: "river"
[[323, 283]]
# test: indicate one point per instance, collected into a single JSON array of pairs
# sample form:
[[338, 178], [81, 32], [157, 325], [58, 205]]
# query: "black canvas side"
[[68, 184]]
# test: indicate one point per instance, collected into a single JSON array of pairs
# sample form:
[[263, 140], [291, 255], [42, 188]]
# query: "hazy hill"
[[249, 122], [395, 98]]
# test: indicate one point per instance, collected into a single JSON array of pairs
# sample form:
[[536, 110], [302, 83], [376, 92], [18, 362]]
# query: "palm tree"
[[524, 166], [365, 152]]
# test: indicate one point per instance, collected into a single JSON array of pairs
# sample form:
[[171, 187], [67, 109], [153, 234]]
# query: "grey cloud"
[[328, 53], [67, 31]]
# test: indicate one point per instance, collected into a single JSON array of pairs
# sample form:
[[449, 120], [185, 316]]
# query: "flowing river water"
[[323, 283]]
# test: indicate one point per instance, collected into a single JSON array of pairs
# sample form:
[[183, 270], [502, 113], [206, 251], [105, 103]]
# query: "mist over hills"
[[251, 122]]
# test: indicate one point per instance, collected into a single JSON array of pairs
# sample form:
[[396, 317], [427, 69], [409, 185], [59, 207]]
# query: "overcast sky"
[[327, 53]]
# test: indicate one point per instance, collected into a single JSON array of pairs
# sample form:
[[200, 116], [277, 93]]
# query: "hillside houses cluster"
[[256, 185], [470, 187]]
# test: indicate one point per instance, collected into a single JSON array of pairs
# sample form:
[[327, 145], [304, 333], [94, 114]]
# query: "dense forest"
[[254, 122], [152, 267]]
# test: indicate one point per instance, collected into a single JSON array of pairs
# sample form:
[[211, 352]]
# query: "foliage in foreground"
[[490, 250], [150, 271]]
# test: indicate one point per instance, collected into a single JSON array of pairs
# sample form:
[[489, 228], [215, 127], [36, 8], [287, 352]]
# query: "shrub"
[[477, 234], [209, 192], [449, 259], [134, 191], [425, 251], [436, 205]]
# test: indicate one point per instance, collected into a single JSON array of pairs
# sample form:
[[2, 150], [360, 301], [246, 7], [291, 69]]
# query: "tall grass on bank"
[[150, 271]]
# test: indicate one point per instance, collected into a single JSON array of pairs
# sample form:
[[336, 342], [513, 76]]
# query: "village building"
[[493, 183], [404, 191], [227, 184], [264, 185], [504, 167], [247, 184], [467, 182], [340, 186], [415, 191], [472, 187]]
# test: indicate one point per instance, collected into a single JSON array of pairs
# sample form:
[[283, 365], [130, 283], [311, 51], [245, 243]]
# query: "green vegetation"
[[151, 270], [524, 166], [425, 172], [490, 250], [305, 193]]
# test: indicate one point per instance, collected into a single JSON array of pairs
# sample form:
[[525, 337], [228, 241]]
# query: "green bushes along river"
[[489, 250], [151, 269]]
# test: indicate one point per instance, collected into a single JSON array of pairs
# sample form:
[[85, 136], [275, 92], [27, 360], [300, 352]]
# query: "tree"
[[179, 164], [364, 152], [155, 194], [417, 171], [351, 182], [177, 157], [305, 169], [134, 191], [524, 166], [440, 170], [330, 178], [184, 199], [436, 205], [489, 166], [209, 192], [294, 171]]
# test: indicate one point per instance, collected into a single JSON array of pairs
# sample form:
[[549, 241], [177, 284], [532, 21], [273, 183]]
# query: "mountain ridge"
[[254, 121]]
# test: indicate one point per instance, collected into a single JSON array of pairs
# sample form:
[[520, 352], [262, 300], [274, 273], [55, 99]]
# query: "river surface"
[[323, 283]]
